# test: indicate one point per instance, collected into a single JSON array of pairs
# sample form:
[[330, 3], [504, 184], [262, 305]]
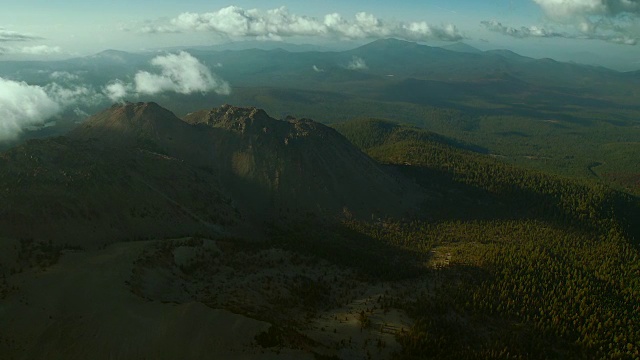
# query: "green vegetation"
[[495, 260], [547, 267]]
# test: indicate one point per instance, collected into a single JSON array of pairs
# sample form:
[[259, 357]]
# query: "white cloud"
[[521, 32], [615, 21], [275, 24], [68, 96], [23, 105], [8, 35], [317, 69], [41, 50], [560, 9], [64, 76], [31, 50], [181, 73], [357, 63], [116, 90]]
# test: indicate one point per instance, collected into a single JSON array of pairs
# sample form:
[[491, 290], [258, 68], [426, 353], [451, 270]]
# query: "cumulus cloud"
[[8, 35], [181, 73], [275, 24], [116, 90], [23, 105], [357, 63]]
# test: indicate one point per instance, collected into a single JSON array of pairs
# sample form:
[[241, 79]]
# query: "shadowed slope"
[[298, 164], [136, 171]]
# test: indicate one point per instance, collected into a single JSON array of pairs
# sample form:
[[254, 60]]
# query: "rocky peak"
[[230, 117]]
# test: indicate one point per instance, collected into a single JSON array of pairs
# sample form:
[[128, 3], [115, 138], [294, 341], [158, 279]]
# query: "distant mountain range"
[[438, 88]]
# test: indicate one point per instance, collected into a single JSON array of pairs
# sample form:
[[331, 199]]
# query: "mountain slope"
[[136, 171], [148, 126], [70, 192], [298, 164]]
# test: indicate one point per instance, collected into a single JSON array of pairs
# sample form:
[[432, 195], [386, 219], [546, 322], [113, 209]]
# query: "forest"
[[537, 265]]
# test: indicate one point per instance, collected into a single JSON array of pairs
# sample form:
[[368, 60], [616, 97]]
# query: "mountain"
[[297, 164], [263, 45], [145, 125], [71, 192], [136, 170], [461, 47], [454, 277]]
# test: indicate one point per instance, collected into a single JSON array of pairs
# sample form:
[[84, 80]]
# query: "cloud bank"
[[614, 21], [180, 73], [521, 32], [563, 9], [275, 24], [8, 35], [31, 50]]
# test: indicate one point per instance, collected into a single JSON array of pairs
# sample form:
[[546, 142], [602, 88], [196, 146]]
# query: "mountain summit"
[[296, 164], [217, 171]]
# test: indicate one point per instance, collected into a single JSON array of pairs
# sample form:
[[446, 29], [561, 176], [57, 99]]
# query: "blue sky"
[[606, 29]]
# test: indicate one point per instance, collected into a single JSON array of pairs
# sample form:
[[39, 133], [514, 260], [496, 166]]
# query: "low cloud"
[[117, 90], [357, 63], [521, 32], [31, 50], [23, 105], [41, 50], [584, 32], [279, 23], [614, 21], [180, 73], [8, 35], [67, 96]]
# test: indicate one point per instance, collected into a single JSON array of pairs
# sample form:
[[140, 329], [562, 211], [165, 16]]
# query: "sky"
[[606, 30]]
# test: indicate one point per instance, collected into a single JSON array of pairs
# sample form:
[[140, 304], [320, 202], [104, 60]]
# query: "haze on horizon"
[[603, 32]]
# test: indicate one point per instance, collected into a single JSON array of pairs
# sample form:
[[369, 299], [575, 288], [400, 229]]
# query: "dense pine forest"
[[373, 239], [521, 264]]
